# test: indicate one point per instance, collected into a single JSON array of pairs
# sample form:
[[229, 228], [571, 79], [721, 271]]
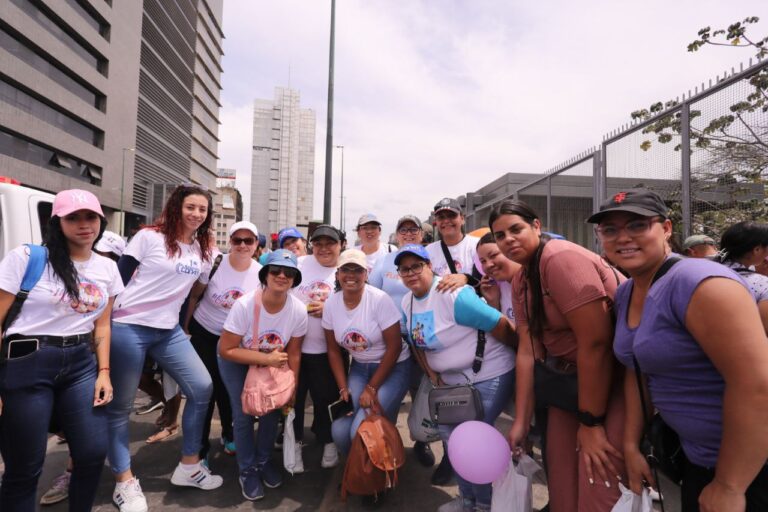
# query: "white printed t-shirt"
[[48, 309], [463, 254], [359, 330], [154, 295], [505, 290], [445, 325], [275, 330], [374, 257], [317, 283], [223, 290]]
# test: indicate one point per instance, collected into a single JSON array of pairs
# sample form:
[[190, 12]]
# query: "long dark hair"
[[59, 258], [169, 223], [738, 240], [537, 317]]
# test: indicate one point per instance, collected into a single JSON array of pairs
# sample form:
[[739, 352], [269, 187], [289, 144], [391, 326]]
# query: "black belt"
[[54, 341]]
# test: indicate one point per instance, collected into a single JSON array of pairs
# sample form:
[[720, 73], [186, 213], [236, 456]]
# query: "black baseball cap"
[[326, 230], [447, 203], [637, 200]]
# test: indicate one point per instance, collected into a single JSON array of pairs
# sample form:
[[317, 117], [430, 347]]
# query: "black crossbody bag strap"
[[668, 264]]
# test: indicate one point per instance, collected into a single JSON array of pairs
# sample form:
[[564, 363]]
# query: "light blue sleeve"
[[470, 310], [376, 279]]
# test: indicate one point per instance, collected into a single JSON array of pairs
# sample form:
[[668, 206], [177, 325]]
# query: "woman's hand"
[[102, 394], [718, 497], [594, 447], [490, 290], [277, 358], [638, 470], [369, 399], [315, 308], [451, 282], [344, 394], [517, 436]]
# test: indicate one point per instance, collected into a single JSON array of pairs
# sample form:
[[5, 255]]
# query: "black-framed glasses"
[[247, 240], [408, 231], [414, 269], [634, 229], [276, 270]]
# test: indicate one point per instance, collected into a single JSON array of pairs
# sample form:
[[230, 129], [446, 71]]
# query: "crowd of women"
[[589, 345]]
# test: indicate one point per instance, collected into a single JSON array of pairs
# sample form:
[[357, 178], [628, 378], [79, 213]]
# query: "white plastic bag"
[[631, 502], [419, 421], [513, 491], [289, 443]]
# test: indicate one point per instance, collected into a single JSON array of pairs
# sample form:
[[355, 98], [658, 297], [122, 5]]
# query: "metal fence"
[[705, 153]]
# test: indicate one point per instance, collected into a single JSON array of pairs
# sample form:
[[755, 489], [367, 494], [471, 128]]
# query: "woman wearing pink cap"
[[48, 369]]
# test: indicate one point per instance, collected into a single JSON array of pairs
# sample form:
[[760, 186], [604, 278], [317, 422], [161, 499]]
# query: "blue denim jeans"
[[171, 349], [250, 452], [390, 395], [51, 382], [495, 394]]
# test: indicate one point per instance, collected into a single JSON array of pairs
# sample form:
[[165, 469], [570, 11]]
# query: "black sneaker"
[[250, 483], [424, 454], [443, 475]]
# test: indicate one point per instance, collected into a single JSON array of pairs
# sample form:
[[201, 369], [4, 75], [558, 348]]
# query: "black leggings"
[[316, 378], [205, 344], [695, 478]]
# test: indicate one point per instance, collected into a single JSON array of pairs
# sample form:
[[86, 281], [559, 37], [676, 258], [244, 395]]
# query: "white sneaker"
[[298, 466], [59, 490], [654, 494], [330, 456], [128, 496], [199, 476]]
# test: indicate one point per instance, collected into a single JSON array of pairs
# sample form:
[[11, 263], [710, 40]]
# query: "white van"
[[24, 214]]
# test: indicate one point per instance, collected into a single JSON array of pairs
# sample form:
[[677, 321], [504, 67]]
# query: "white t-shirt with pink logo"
[[223, 290], [154, 295], [317, 283], [463, 254], [359, 330], [48, 310], [275, 330]]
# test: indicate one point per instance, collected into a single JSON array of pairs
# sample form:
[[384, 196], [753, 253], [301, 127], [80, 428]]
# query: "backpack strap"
[[38, 259], [256, 315]]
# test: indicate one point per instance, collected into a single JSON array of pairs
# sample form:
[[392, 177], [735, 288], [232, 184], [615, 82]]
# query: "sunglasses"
[[408, 231], [276, 270], [247, 241]]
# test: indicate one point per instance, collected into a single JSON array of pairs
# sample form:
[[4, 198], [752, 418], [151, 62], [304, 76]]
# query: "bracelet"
[[371, 388], [105, 369], [342, 390]]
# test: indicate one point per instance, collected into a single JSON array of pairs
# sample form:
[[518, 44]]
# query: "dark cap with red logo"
[[637, 200]]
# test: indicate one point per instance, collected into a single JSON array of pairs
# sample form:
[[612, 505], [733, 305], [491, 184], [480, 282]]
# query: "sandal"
[[163, 434]]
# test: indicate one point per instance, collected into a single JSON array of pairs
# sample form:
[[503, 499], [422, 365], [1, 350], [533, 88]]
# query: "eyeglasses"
[[634, 228], [351, 269], [414, 269], [408, 231], [247, 241], [276, 270], [369, 227]]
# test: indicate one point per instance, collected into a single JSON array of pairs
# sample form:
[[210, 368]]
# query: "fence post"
[[549, 203], [685, 168], [597, 165], [602, 188]]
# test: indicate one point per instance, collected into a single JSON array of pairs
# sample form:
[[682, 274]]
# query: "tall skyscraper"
[[283, 164], [91, 91]]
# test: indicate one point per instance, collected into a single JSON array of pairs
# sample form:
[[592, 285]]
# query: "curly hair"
[[169, 223], [59, 258]]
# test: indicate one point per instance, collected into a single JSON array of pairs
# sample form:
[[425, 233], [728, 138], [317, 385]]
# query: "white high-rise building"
[[283, 164]]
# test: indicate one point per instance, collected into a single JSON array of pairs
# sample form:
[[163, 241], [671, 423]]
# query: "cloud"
[[435, 99]]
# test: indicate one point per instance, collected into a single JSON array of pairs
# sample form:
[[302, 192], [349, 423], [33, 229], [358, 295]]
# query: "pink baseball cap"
[[68, 201]]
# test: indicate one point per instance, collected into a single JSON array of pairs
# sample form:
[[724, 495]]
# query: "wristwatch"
[[588, 419]]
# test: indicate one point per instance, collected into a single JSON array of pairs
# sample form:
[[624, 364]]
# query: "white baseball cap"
[[111, 242], [244, 224]]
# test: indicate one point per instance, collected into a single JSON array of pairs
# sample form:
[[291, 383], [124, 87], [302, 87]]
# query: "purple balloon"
[[478, 452]]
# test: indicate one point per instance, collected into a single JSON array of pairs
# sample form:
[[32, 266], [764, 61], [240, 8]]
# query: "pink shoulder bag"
[[266, 388]]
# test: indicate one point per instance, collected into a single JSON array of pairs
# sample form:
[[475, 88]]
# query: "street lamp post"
[[122, 192], [341, 193], [329, 124]]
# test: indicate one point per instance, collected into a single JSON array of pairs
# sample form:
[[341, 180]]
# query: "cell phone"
[[21, 348], [340, 408]]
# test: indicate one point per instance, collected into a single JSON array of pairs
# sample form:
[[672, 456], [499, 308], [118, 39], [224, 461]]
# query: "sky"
[[437, 98]]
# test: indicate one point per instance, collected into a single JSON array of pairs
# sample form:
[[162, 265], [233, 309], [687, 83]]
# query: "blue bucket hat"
[[286, 233], [281, 258], [413, 249]]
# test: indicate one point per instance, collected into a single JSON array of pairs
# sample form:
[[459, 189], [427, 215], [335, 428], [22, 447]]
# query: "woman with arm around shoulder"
[[694, 331], [366, 322], [443, 328], [274, 340], [47, 364], [159, 267], [562, 299]]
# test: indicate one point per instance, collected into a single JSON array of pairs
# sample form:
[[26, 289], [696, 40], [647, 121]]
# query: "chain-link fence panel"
[[571, 203], [535, 196]]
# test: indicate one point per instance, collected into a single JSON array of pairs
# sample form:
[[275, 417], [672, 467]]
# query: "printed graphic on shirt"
[[443, 269], [316, 291], [393, 275], [423, 331], [270, 341], [228, 297], [354, 341], [192, 267], [91, 297], [510, 313]]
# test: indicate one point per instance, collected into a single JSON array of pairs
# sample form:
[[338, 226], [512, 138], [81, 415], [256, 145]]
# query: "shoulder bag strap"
[[256, 315], [448, 257], [215, 267], [38, 258], [419, 354], [477, 364]]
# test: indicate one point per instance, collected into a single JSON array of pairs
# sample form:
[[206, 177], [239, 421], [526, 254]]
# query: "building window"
[[90, 16], [16, 97]]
